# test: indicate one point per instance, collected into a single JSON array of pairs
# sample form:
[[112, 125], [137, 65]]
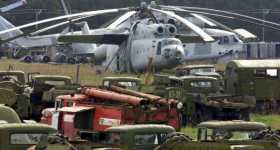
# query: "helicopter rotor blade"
[[223, 12], [173, 8], [201, 18], [122, 19], [57, 25], [88, 13]]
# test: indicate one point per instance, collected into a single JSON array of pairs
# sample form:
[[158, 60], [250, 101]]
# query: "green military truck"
[[158, 86], [203, 99], [12, 92], [45, 88], [258, 78], [15, 135], [228, 135], [135, 137], [200, 70]]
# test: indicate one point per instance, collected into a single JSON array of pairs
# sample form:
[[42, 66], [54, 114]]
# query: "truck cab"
[[193, 69], [45, 89], [228, 135], [12, 92], [203, 100], [15, 135], [136, 137], [234, 134]]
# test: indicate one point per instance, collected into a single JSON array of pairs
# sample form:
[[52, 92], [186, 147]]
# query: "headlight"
[[180, 105]]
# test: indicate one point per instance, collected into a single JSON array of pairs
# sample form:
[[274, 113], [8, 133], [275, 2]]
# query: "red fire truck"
[[88, 114]]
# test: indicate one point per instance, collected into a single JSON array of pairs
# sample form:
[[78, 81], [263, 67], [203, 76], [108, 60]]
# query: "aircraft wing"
[[114, 39]]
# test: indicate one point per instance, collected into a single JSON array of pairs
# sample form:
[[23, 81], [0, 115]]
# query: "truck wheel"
[[172, 139], [71, 61], [245, 115]]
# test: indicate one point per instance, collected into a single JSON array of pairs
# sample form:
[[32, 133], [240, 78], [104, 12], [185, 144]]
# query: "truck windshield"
[[201, 84], [27, 138], [197, 70], [120, 83], [112, 138], [149, 139], [219, 134], [55, 83]]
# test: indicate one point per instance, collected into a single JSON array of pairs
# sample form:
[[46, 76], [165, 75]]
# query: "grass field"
[[89, 76], [88, 73]]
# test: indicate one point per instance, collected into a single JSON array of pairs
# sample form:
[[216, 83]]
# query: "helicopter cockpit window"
[[170, 42], [226, 40], [235, 39], [159, 48]]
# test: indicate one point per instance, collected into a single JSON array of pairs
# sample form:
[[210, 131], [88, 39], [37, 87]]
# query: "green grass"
[[192, 132], [270, 120], [88, 75]]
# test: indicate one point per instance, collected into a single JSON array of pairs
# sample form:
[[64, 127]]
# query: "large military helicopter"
[[140, 39]]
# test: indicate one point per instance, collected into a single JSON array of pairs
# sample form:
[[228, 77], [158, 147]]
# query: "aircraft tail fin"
[[4, 25]]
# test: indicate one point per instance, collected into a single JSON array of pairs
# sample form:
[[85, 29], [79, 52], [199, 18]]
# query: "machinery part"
[[71, 61], [134, 93], [172, 30], [46, 59], [28, 59], [150, 97], [172, 140], [9, 115], [108, 95], [7, 97]]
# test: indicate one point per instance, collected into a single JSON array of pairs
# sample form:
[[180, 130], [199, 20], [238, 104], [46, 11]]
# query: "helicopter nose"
[[175, 52]]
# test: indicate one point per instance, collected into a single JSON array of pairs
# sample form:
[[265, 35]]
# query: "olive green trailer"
[[259, 78]]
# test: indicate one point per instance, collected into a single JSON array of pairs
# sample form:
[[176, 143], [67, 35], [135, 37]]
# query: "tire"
[[71, 61], [46, 59], [172, 139], [28, 59]]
